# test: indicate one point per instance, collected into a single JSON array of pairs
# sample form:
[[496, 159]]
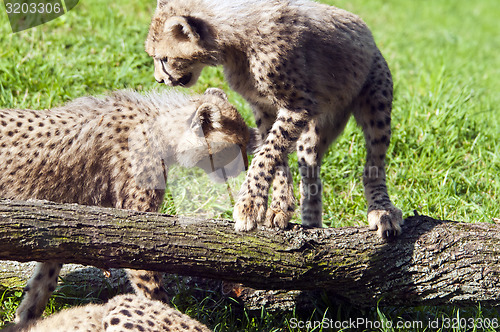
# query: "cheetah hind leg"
[[387, 222], [373, 113], [282, 205]]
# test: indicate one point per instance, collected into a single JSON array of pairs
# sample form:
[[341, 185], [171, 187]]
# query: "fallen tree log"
[[433, 262]]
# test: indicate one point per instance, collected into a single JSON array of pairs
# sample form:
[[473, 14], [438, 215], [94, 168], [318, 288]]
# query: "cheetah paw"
[[247, 214], [277, 218], [387, 223]]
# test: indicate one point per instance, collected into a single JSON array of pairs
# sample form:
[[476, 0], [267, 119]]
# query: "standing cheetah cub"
[[114, 151], [122, 313], [304, 68]]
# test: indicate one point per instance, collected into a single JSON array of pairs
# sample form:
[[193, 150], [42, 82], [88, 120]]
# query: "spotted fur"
[[304, 68], [114, 151], [123, 313]]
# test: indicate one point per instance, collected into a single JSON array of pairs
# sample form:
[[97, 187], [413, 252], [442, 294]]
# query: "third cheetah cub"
[[122, 313]]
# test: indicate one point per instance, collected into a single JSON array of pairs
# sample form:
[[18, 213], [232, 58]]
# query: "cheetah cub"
[[123, 313], [114, 151], [304, 67]]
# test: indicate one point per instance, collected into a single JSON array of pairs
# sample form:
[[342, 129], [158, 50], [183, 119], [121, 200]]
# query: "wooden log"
[[433, 262]]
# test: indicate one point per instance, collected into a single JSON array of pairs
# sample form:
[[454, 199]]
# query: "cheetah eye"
[[165, 59]]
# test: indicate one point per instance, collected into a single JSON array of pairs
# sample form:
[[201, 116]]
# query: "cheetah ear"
[[181, 29], [207, 116], [216, 92], [255, 141], [161, 3]]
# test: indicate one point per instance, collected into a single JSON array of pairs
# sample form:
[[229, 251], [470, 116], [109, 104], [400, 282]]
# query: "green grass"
[[443, 159]]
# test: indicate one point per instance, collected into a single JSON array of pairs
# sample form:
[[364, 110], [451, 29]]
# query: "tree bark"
[[432, 262]]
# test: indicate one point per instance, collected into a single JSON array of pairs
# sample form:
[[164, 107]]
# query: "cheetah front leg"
[[282, 205], [37, 291], [250, 209]]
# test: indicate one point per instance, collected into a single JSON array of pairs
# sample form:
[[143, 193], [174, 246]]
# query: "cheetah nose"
[[159, 80]]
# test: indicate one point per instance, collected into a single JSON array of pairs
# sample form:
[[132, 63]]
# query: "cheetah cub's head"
[[180, 45], [227, 138]]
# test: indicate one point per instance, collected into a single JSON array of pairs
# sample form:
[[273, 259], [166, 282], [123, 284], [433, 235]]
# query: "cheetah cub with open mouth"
[[304, 67]]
